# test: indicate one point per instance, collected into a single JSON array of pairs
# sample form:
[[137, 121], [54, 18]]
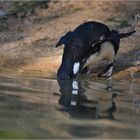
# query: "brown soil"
[[27, 44]]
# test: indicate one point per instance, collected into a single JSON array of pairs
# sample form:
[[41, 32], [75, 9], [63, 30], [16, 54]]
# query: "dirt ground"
[[27, 42]]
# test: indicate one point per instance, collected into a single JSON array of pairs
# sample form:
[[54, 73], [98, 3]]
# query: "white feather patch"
[[109, 73], [75, 85], [74, 92], [73, 103], [76, 67]]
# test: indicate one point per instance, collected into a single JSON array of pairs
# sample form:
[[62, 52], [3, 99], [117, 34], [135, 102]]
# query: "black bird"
[[88, 44]]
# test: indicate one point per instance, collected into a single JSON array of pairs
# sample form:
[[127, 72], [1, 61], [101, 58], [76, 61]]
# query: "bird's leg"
[[107, 72], [85, 70]]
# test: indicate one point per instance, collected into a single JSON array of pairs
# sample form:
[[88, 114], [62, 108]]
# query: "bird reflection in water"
[[74, 100]]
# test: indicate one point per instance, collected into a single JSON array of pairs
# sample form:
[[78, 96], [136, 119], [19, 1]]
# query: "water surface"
[[42, 108]]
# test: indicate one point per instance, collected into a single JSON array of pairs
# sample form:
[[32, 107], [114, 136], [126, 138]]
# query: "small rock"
[[20, 37], [3, 14]]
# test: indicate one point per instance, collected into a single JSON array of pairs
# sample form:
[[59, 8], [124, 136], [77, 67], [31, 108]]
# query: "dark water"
[[39, 108]]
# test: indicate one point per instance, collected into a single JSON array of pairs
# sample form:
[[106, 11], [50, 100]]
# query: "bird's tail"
[[123, 35]]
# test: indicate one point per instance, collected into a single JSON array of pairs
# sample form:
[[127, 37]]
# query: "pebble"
[[3, 14]]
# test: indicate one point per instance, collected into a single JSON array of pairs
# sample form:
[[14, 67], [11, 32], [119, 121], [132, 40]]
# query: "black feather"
[[64, 39]]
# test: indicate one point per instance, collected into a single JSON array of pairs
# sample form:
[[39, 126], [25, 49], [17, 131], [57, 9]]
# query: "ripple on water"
[[43, 108]]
